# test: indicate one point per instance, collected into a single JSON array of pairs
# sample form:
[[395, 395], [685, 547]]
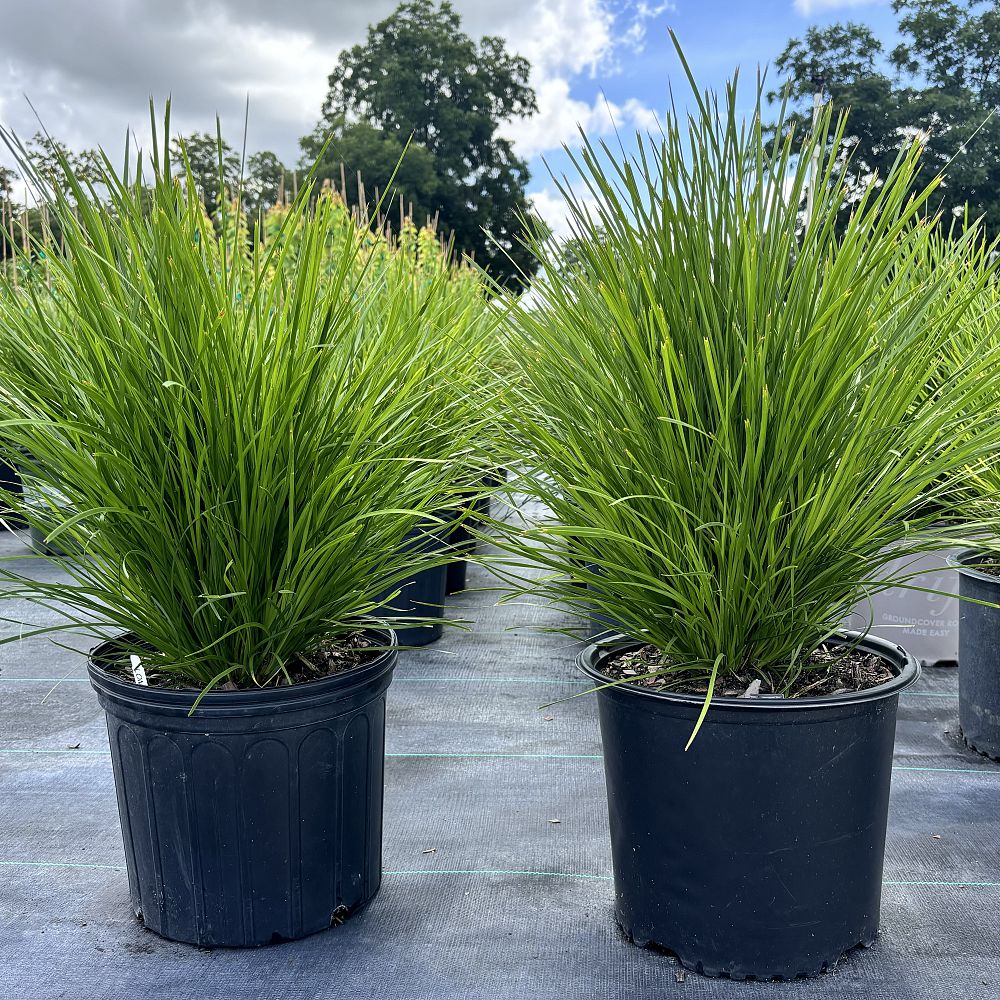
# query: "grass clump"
[[239, 440], [733, 416]]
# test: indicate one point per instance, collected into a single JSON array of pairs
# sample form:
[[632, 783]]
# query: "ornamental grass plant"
[[239, 441], [724, 407], [461, 332], [973, 497], [462, 335]]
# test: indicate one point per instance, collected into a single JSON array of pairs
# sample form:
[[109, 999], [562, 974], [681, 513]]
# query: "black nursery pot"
[[41, 544], [462, 540], [491, 481], [423, 595], [259, 818], [758, 852], [979, 653], [463, 544], [10, 486], [599, 625]]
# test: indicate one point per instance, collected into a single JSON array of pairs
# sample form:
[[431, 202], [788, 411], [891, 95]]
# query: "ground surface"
[[483, 895]]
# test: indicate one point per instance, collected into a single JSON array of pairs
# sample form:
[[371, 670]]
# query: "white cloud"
[[634, 35], [561, 116], [567, 38], [551, 206], [278, 68], [560, 36], [809, 7], [640, 117], [90, 68]]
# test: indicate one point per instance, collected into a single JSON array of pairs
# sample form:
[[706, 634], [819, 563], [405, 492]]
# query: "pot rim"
[[906, 665], [965, 559], [340, 684]]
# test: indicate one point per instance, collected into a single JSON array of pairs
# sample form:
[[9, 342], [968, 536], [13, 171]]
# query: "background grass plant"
[[973, 496]]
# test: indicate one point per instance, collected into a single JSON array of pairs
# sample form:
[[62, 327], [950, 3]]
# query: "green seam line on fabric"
[[939, 883], [947, 770], [894, 883], [458, 756], [500, 755], [496, 871]]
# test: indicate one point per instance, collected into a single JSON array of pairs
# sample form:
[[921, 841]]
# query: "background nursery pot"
[[599, 625], [259, 818], [759, 851], [423, 596], [462, 538], [10, 483], [42, 498], [463, 544], [979, 653]]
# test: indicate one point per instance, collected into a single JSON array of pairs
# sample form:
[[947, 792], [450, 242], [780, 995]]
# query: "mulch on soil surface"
[[330, 658], [829, 670]]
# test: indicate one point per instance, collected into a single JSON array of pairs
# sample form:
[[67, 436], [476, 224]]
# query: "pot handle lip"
[[907, 666], [965, 561], [340, 685]]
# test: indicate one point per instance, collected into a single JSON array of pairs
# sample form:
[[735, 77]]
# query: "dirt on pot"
[[827, 671]]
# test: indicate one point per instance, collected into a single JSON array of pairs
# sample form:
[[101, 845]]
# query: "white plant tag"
[[138, 674]]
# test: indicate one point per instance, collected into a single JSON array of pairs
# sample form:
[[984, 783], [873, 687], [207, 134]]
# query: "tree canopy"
[[264, 182], [7, 178], [942, 81], [419, 83], [263, 174], [211, 160], [48, 155]]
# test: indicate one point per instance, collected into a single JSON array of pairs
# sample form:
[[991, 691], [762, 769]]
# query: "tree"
[[47, 155], [7, 178], [419, 78], [263, 183], [363, 158], [210, 160], [23, 225], [940, 82]]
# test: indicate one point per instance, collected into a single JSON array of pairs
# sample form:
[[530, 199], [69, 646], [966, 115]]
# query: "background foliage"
[[419, 78], [942, 81]]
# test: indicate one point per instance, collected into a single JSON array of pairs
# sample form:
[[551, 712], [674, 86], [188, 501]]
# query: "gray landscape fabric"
[[496, 855]]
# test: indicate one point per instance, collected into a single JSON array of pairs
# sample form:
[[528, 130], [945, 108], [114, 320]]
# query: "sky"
[[90, 68]]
